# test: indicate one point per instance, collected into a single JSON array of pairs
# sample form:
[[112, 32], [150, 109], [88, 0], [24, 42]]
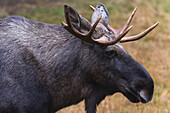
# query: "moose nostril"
[[144, 96]]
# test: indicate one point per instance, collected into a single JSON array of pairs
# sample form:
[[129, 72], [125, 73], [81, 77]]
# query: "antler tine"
[[128, 21], [119, 31], [93, 8], [139, 36], [86, 37], [93, 27]]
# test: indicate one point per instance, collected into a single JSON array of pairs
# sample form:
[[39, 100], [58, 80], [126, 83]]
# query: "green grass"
[[49, 15]]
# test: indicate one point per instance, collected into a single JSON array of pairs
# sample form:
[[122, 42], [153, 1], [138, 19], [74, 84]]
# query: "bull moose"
[[46, 67]]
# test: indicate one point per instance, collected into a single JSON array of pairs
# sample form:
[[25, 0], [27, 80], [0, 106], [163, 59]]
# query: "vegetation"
[[153, 51]]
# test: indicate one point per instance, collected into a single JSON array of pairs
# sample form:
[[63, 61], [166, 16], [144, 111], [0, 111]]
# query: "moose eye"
[[111, 53]]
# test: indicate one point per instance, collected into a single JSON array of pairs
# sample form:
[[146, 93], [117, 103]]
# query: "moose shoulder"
[[45, 67]]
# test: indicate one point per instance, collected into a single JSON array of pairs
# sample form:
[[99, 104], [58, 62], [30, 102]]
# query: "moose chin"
[[46, 67]]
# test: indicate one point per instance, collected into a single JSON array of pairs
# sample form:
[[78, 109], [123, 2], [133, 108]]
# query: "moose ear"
[[100, 10], [79, 22]]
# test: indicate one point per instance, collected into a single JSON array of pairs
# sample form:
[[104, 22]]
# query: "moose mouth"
[[135, 96]]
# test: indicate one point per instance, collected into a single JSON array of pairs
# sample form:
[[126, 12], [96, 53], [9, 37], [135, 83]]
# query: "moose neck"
[[64, 55], [64, 59]]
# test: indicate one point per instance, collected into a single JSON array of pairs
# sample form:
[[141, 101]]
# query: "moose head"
[[111, 65]]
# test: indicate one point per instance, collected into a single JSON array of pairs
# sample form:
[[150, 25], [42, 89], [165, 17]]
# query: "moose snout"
[[141, 86], [146, 93], [146, 88], [141, 91]]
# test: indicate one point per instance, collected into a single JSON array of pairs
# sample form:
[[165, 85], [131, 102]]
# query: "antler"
[[118, 31], [139, 36], [130, 38], [88, 37]]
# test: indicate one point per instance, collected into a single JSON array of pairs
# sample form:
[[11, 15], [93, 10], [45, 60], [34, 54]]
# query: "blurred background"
[[153, 51]]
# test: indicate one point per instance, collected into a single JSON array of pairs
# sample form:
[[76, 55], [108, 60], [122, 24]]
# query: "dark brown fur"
[[44, 68]]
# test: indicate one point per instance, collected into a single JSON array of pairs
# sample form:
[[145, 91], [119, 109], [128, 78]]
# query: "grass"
[[153, 52]]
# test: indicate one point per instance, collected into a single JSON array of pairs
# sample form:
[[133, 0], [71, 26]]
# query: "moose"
[[46, 67]]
